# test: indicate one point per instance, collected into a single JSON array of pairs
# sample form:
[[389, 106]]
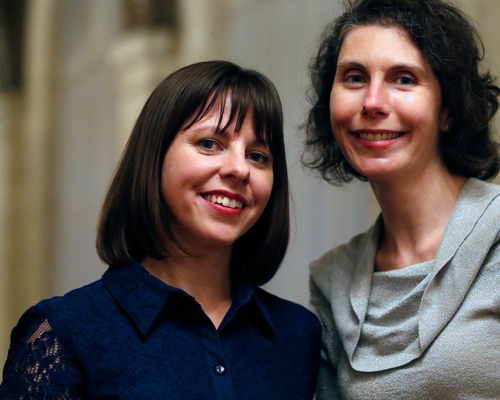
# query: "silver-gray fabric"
[[390, 328], [457, 352]]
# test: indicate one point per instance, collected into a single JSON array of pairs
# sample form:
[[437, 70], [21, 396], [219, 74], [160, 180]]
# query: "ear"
[[445, 120]]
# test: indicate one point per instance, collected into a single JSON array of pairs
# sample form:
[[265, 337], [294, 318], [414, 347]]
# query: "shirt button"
[[219, 369]]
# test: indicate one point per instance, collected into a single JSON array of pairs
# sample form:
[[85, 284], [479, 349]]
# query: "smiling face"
[[216, 184], [385, 104]]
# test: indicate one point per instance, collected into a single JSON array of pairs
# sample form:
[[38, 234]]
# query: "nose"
[[376, 101], [235, 166]]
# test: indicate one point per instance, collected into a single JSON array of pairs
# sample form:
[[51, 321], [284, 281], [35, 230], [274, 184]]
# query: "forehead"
[[222, 117], [228, 112], [221, 112], [380, 44]]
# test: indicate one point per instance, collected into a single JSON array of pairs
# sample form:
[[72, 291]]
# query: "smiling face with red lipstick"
[[385, 104], [203, 176], [216, 183]]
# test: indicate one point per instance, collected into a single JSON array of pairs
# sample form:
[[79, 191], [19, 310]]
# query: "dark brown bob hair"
[[135, 220], [451, 45]]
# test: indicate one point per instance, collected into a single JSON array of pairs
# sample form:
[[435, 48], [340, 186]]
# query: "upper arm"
[[40, 364], [331, 345]]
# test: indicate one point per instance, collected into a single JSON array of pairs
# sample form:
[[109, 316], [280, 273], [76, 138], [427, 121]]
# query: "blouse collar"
[[144, 296]]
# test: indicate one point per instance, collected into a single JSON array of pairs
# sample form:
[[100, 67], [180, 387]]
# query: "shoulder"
[[340, 262], [69, 311], [492, 191], [479, 188], [286, 313], [346, 252], [76, 302], [479, 193], [476, 217], [42, 351]]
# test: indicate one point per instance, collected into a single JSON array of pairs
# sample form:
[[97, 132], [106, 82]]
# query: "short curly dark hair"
[[451, 45]]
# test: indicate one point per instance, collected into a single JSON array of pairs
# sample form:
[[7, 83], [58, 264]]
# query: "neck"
[[205, 277], [415, 214]]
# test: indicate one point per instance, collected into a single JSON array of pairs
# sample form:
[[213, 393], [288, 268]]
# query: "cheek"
[[421, 109], [170, 187], [188, 170], [263, 187], [342, 108], [425, 119], [342, 112]]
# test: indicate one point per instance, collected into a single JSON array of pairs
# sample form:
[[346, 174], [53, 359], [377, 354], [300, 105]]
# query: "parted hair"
[[451, 45], [135, 220]]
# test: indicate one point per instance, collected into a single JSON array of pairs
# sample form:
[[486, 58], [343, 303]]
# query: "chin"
[[377, 170], [222, 242]]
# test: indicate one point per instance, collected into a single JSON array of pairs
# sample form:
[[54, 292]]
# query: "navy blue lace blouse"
[[131, 336]]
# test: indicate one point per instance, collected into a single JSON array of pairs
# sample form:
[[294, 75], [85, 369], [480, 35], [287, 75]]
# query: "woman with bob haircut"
[[195, 219], [410, 309]]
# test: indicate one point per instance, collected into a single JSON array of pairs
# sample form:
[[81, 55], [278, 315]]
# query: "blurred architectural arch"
[[87, 68]]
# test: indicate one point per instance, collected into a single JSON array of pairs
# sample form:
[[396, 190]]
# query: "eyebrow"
[[204, 128], [410, 66], [348, 63], [257, 142]]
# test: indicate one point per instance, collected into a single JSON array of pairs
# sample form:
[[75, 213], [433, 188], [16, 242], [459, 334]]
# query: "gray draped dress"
[[428, 331]]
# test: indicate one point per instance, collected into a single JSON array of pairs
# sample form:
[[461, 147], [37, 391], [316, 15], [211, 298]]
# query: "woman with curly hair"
[[411, 308]]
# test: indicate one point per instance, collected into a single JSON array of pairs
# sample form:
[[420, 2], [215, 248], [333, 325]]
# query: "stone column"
[[31, 159], [141, 59], [5, 205], [202, 24]]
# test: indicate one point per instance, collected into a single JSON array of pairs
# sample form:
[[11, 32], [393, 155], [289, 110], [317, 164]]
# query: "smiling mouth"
[[223, 201], [375, 137]]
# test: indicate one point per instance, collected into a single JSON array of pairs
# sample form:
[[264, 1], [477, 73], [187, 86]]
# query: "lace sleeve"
[[39, 366]]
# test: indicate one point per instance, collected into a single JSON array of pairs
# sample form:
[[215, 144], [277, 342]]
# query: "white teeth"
[[373, 137], [225, 201]]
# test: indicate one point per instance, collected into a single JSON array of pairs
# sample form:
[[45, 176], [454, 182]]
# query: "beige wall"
[[25, 268], [86, 82], [486, 14], [5, 158]]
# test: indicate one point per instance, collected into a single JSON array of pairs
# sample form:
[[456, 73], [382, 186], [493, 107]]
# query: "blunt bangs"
[[248, 92]]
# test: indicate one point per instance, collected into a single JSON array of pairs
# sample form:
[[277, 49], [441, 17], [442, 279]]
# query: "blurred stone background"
[[74, 75]]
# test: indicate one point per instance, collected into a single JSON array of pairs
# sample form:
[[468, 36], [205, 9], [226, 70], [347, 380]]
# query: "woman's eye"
[[207, 144], [257, 157], [406, 80], [354, 78]]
